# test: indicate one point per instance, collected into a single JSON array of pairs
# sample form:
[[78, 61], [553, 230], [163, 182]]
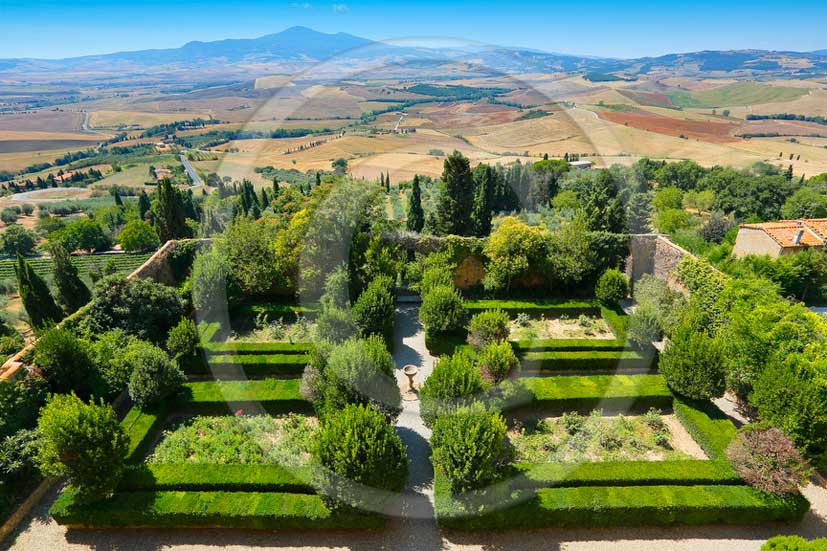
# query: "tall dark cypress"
[[118, 200], [169, 214], [456, 197], [37, 300], [484, 182], [72, 293], [143, 205], [416, 215]]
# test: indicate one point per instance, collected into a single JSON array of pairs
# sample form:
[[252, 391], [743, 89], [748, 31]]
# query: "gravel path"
[[415, 529]]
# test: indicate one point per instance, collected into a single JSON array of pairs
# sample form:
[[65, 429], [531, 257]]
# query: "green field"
[[738, 93], [125, 263]]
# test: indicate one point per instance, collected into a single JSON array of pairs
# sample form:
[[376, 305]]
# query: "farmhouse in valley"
[[779, 238]]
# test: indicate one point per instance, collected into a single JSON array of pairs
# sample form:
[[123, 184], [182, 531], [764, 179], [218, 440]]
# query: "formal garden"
[[258, 388]]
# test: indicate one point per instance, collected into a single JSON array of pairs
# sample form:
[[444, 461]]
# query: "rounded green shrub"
[[110, 356], [442, 310], [153, 374], [692, 364], [64, 360], [467, 446], [359, 371], [487, 327], [454, 381], [644, 326], [497, 361], [84, 442], [183, 338], [358, 447], [611, 287], [374, 309], [336, 325]]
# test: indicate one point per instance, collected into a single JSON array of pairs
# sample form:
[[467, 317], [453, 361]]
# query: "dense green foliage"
[[64, 360], [37, 300], [72, 293], [442, 310], [454, 381], [139, 307], [497, 361], [138, 235], [183, 338], [612, 287], [358, 447], [83, 442], [692, 364], [153, 375], [487, 327], [467, 444], [794, 543], [373, 310]]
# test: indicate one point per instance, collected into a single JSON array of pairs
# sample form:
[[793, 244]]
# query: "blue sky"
[[51, 29]]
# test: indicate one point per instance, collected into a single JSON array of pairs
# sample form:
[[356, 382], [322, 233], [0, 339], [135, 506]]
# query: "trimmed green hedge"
[[536, 308], [193, 476], [707, 424], [252, 510], [258, 347], [608, 391], [274, 395], [208, 331], [623, 473], [569, 345], [245, 314], [262, 364], [586, 507], [591, 360]]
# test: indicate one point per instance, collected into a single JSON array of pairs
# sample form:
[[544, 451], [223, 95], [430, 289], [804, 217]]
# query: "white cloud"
[[301, 5], [340, 8]]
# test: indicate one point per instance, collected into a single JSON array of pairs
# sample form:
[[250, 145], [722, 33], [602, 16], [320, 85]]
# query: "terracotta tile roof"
[[783, 232]]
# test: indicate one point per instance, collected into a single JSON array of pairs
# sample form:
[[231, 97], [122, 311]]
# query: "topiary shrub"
[[84, 442], [497, 361], [454, 381], [467, 446], [487, 327], [153, 374], [768, 460], [644, 327], [612, 287], [692, 364], [442, 310], [208, 281], [358, 447], [336, 325], [357, 371], [373, 310], [183, 338], [64, 360]]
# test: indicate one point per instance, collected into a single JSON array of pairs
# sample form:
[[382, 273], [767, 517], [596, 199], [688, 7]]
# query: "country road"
[[196, 180]]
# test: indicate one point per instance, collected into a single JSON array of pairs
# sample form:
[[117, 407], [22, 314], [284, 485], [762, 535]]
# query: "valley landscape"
[[313, 291]]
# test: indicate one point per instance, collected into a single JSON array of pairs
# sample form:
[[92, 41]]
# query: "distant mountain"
[[294, 48]]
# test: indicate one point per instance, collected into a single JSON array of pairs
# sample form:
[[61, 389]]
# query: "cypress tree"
[[382, 179], [143, 205], [639, 213], [388, 182], [456, 197], [264, 201], [484, 181], [275, 187], [788, 174], [36, 297], [118, 200], [168, 209], [72, 293], [318, 179], [416, 215]]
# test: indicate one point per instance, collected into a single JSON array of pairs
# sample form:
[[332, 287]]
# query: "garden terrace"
[[621, 493], [253, 496]]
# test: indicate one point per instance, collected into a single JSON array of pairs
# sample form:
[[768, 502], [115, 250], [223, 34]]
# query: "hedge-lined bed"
[[622, 473], [243, 315], [569, 345], [588, 360], [595, 506], [228, 478], [190, 495], [258, 347], [536, 308], [223, 365], [170, 509], [581, 393]]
